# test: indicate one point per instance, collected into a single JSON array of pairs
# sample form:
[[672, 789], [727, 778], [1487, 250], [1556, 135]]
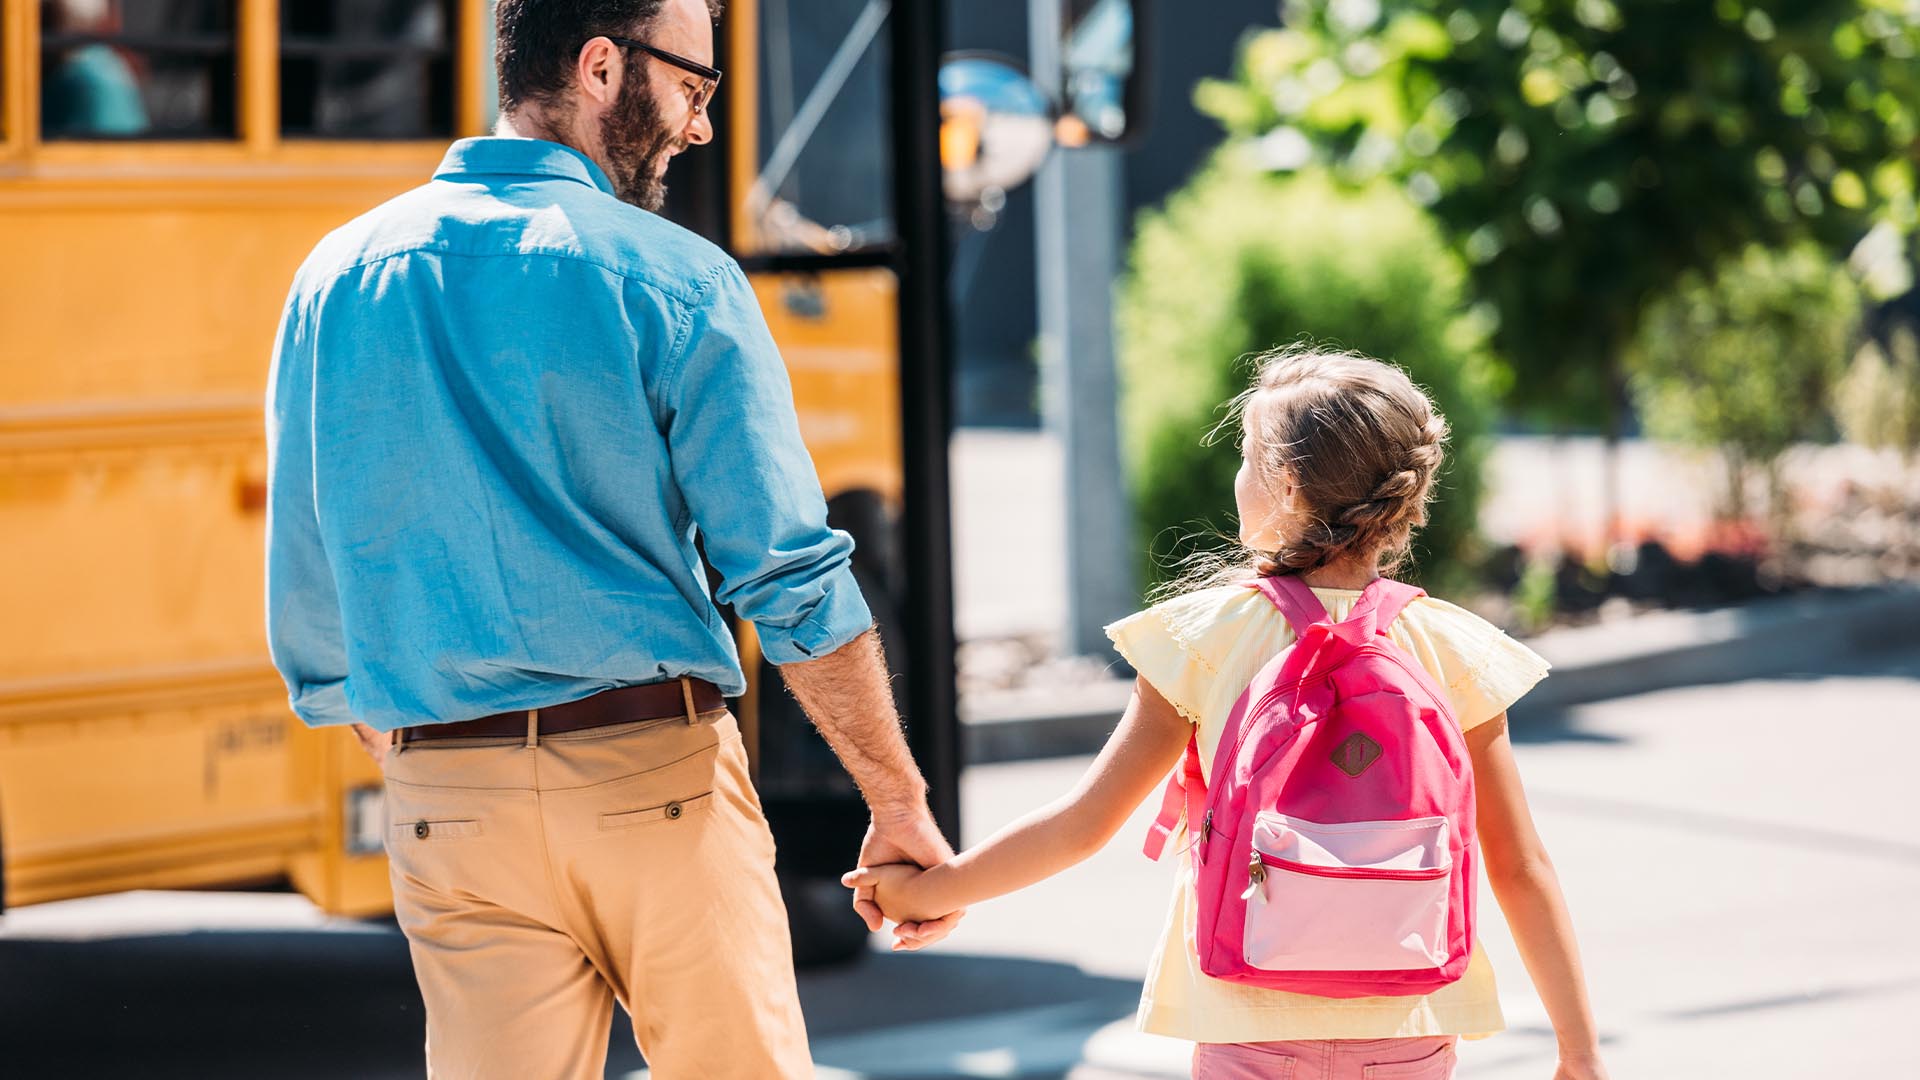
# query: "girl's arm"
[[1524, 882], [1137, 757]]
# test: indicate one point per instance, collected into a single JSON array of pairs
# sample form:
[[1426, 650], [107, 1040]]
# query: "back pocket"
[[669, 811], [1350, 896], [1435, 1066], [430, 829]]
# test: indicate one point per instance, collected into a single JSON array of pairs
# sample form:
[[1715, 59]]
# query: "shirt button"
[[420, 830], [674, 811]]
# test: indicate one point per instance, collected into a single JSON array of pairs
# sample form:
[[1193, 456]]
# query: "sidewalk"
[[1735, 858]]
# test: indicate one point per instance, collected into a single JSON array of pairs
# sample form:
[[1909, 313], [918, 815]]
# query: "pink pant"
[[1327, 1059]]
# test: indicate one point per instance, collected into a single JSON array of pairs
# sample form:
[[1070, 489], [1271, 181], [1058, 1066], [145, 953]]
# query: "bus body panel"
[[145, 740]]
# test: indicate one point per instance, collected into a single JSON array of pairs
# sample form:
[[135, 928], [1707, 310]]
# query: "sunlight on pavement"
[[147, 913]]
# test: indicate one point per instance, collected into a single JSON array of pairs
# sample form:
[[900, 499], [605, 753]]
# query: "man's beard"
[[636, 141]]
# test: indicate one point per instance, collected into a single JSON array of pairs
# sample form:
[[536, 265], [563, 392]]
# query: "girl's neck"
[[1345, 575]]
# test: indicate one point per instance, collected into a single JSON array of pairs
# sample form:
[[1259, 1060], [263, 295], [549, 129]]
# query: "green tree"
[[1585, 155], [1878, 404], [1240, 261], [1743, 360], [1878, 400]]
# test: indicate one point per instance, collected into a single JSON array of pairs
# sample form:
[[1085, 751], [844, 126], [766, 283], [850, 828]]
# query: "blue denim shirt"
[[502, 407]]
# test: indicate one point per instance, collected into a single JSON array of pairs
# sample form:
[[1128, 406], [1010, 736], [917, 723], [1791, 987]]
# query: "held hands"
[[907, 837], [893, 890]]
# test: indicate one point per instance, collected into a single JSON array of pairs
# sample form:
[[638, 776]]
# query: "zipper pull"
[[1256, 877], [1206, 834]]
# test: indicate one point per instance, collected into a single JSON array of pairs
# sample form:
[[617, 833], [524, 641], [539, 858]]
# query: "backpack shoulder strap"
[[1294, 600], [1185, 797], [1383, 601]]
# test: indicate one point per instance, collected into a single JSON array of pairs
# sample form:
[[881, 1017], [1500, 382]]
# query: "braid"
[[1318, 544], [1382, 521], [1357, 443]]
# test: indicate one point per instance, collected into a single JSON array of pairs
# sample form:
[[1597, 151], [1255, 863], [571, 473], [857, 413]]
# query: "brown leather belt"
[[685, 697]]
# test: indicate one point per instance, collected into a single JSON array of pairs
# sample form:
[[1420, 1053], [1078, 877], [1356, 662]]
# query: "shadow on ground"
[[935, 1015], [1565, 723], [308, 1005]]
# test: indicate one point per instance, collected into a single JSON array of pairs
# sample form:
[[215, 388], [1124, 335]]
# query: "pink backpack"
[[1334, 849]]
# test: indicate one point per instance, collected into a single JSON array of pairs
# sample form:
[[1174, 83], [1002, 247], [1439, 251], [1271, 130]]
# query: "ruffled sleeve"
[[1483, 670], [1179, 646]]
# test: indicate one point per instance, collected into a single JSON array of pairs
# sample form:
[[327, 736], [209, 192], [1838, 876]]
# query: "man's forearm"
[[848, 697]]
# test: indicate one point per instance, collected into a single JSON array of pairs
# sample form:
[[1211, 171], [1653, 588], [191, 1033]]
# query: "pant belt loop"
[[533, 728], [399, 741], [686, 691]]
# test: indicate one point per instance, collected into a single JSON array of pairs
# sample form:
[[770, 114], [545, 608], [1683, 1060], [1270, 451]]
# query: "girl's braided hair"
[[1361, 444]]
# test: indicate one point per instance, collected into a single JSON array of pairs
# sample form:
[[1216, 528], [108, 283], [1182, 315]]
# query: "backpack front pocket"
[[1349, 896]]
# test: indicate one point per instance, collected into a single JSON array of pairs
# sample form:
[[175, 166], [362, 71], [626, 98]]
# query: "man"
[[502, 408]]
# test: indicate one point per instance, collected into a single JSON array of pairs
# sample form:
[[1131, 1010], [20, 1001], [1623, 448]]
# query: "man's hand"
[[910, 837], [375, 743], [847, 696]]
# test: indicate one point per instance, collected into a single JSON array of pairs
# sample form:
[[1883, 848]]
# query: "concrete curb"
[[1667, 649], [1636, 655], [1018, 725]]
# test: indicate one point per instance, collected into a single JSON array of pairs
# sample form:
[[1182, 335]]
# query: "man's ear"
[[597, 69]]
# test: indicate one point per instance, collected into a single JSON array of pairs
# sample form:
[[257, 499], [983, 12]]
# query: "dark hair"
[[537, 41]]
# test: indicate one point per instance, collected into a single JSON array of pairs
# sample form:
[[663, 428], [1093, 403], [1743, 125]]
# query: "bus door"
[[818, 132]]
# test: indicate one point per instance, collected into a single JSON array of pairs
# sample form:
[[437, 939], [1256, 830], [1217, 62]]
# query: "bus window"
[[824, 182], [111, 69], [367, 69]]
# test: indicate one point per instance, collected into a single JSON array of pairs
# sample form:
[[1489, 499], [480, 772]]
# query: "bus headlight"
[[366, 810]]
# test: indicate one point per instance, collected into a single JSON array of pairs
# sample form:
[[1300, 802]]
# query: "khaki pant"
[[539, 884]]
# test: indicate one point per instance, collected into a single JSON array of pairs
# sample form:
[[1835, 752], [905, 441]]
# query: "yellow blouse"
[[1200, 651]]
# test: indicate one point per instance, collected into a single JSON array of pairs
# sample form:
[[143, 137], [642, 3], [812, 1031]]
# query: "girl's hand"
[[894, 890], [1581, 1066]]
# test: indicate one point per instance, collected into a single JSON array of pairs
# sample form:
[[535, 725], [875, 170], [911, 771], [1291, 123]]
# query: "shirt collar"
[[493, 156]]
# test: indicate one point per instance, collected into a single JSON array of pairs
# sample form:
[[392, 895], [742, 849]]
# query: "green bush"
[[1242, 260]]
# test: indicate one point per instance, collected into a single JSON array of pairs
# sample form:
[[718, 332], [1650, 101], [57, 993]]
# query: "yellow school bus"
[[165, 165], [164, 168]]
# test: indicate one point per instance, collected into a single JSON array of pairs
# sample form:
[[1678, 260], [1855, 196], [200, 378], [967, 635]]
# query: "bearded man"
[[503, 408]]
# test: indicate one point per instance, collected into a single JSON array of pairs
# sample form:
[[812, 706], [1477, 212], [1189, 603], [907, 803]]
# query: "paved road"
[[1738, 858]]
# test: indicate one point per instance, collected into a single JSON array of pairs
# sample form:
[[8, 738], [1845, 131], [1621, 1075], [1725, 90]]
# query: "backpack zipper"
[[1257, 870]]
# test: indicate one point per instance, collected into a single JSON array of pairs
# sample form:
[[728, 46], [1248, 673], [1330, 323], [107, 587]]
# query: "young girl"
[[1339, 453]]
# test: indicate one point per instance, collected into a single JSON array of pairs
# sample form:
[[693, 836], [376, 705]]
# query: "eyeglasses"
[[709, 77]]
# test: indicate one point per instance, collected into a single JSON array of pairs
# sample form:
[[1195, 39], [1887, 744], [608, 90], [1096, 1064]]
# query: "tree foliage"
[[1744, 359], [1586, 155], [1878, 400]]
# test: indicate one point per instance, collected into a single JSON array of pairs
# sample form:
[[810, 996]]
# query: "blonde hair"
[[1361, 445]]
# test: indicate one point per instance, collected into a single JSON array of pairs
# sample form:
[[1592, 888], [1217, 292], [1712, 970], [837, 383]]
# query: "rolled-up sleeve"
[[304, 632], [748, 481]]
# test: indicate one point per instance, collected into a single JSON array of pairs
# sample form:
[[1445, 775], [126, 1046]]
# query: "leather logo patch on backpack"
[[1355, 753]]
